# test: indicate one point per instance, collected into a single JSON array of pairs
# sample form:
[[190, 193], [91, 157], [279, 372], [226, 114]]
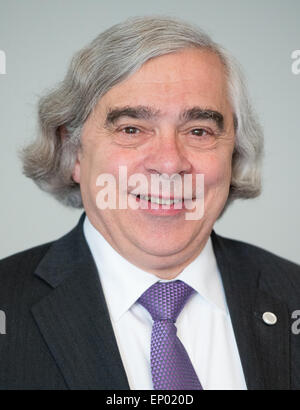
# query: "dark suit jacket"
[[59, 335]]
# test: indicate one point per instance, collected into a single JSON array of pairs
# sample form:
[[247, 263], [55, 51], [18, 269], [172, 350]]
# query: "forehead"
[[174, 81]]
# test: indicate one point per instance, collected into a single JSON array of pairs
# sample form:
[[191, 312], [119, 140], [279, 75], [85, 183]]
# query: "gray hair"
[[109, 59]]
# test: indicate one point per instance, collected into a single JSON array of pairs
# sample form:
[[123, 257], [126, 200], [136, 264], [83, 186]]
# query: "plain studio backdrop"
[[39, 39]]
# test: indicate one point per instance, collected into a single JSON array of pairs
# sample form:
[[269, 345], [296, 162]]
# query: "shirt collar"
[[123, 283]]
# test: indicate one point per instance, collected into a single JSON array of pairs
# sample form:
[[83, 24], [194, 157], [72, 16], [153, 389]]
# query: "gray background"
[[40, 36]]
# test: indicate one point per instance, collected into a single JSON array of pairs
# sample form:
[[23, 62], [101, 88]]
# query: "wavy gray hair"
[[110, 58]]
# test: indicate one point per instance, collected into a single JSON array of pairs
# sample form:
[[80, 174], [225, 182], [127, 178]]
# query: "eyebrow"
[[198, 113], [147, 113], [139, 112]]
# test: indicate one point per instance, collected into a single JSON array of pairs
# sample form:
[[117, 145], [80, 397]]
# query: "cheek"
[[108, 161], [217, 171], [98, 160]]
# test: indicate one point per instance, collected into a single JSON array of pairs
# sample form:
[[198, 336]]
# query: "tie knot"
[[165, 300]]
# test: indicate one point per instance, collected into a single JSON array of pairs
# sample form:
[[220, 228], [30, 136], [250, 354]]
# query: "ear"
[[63, 133], [76, 171]]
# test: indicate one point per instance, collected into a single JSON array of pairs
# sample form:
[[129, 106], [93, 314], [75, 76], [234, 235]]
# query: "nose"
[[167, 156]]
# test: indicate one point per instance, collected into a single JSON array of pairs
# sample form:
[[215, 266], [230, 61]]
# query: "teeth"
[[160, 201]]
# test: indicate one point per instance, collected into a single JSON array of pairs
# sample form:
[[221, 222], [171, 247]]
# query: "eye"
[[130, 130], [200, 132]]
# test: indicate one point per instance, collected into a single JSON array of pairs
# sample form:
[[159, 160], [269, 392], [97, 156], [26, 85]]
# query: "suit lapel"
[[73, 318], [264, 349]]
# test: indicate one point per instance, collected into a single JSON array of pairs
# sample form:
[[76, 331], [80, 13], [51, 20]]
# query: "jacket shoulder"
[[16, 271], [258, 254], [275, 270], [25, 260]]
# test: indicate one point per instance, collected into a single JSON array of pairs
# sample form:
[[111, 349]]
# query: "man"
[[143, 294]]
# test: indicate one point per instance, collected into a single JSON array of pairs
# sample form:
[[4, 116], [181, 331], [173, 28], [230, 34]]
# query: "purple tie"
[[171, 366]]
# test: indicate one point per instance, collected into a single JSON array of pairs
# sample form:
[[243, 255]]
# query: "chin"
[[164, 247]]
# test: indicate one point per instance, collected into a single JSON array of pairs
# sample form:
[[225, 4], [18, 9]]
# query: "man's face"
[[153, 124]]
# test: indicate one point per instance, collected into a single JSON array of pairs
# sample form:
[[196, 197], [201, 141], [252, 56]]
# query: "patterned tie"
[[170, 364]]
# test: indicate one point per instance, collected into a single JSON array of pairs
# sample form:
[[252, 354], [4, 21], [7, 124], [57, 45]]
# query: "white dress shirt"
[[203, 326]]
